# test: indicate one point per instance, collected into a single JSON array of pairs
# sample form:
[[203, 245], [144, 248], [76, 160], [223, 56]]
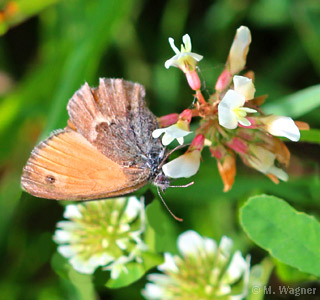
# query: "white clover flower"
[[263, 161], [231, 110], [184, 59], [103, 233], [239, 50], [176, 131], [281, 126], [186, 165], [204, 270]]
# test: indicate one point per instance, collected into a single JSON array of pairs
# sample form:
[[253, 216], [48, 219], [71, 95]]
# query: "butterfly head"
[[162, 181]]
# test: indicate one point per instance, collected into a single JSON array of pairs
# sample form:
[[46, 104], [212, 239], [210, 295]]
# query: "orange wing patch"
[[67, 167]]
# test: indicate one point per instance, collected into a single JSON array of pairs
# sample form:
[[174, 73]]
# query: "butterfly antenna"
[[165, 204], [181, 186]]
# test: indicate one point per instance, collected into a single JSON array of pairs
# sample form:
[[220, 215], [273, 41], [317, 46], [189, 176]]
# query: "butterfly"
[[107, 149]]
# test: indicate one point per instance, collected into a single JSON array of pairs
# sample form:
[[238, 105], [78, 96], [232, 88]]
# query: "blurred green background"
[[49, 48]]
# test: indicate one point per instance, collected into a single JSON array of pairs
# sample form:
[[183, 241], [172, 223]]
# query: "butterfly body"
[[106, 150]]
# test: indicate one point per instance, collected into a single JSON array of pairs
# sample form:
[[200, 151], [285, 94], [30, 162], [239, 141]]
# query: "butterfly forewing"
[[67, 167], [114, 118]]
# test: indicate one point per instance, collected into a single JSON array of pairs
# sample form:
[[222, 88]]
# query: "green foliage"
[[297, 104], [290, 236], [49, 48], [135, 271], [291, 275], [162, 233], [20, 10], [311, 136]]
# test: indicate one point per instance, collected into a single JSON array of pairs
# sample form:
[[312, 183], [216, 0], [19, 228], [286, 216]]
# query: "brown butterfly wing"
[[67, 167], [104, 152]]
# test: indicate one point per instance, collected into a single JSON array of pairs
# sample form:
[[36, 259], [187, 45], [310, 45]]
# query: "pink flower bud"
[[215, 153], [193, 79], [223, 80], [186, 115], [238, 145], [167, 120], [218, 151], [197, 143]]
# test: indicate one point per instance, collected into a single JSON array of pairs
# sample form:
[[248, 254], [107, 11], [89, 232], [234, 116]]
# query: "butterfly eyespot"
[[50, 179]]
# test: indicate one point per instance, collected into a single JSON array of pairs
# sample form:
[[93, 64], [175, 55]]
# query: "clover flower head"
[[231, 110], [184, 58], [204, 270], [263, 160], [101, 233], [281, 126], [188, 164]]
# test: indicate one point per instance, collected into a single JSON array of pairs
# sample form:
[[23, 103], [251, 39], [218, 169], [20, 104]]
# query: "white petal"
[[190, 242], [196, 56], [122, 243], [67, 251], [249, 110], [72, 211], [173, 62], [282, 126], [233, 99], [244, 86], [187, 42], [239, 49], [81, 265], [67, 225], [117, 270], [262, 159], [236, 268], [180, 140], [177, 132], [136, 236], [123, 228], [157, 132], [132, 210], [170, 133], [62, 236], [173, 46], [210, 246], [169, 264], [160, 279], [227, 117], [223, 289], [185, 165], [153, 292], [225, 245], [246, 278], [244, 121], [100, 260], [278, 172], [167, 139]]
